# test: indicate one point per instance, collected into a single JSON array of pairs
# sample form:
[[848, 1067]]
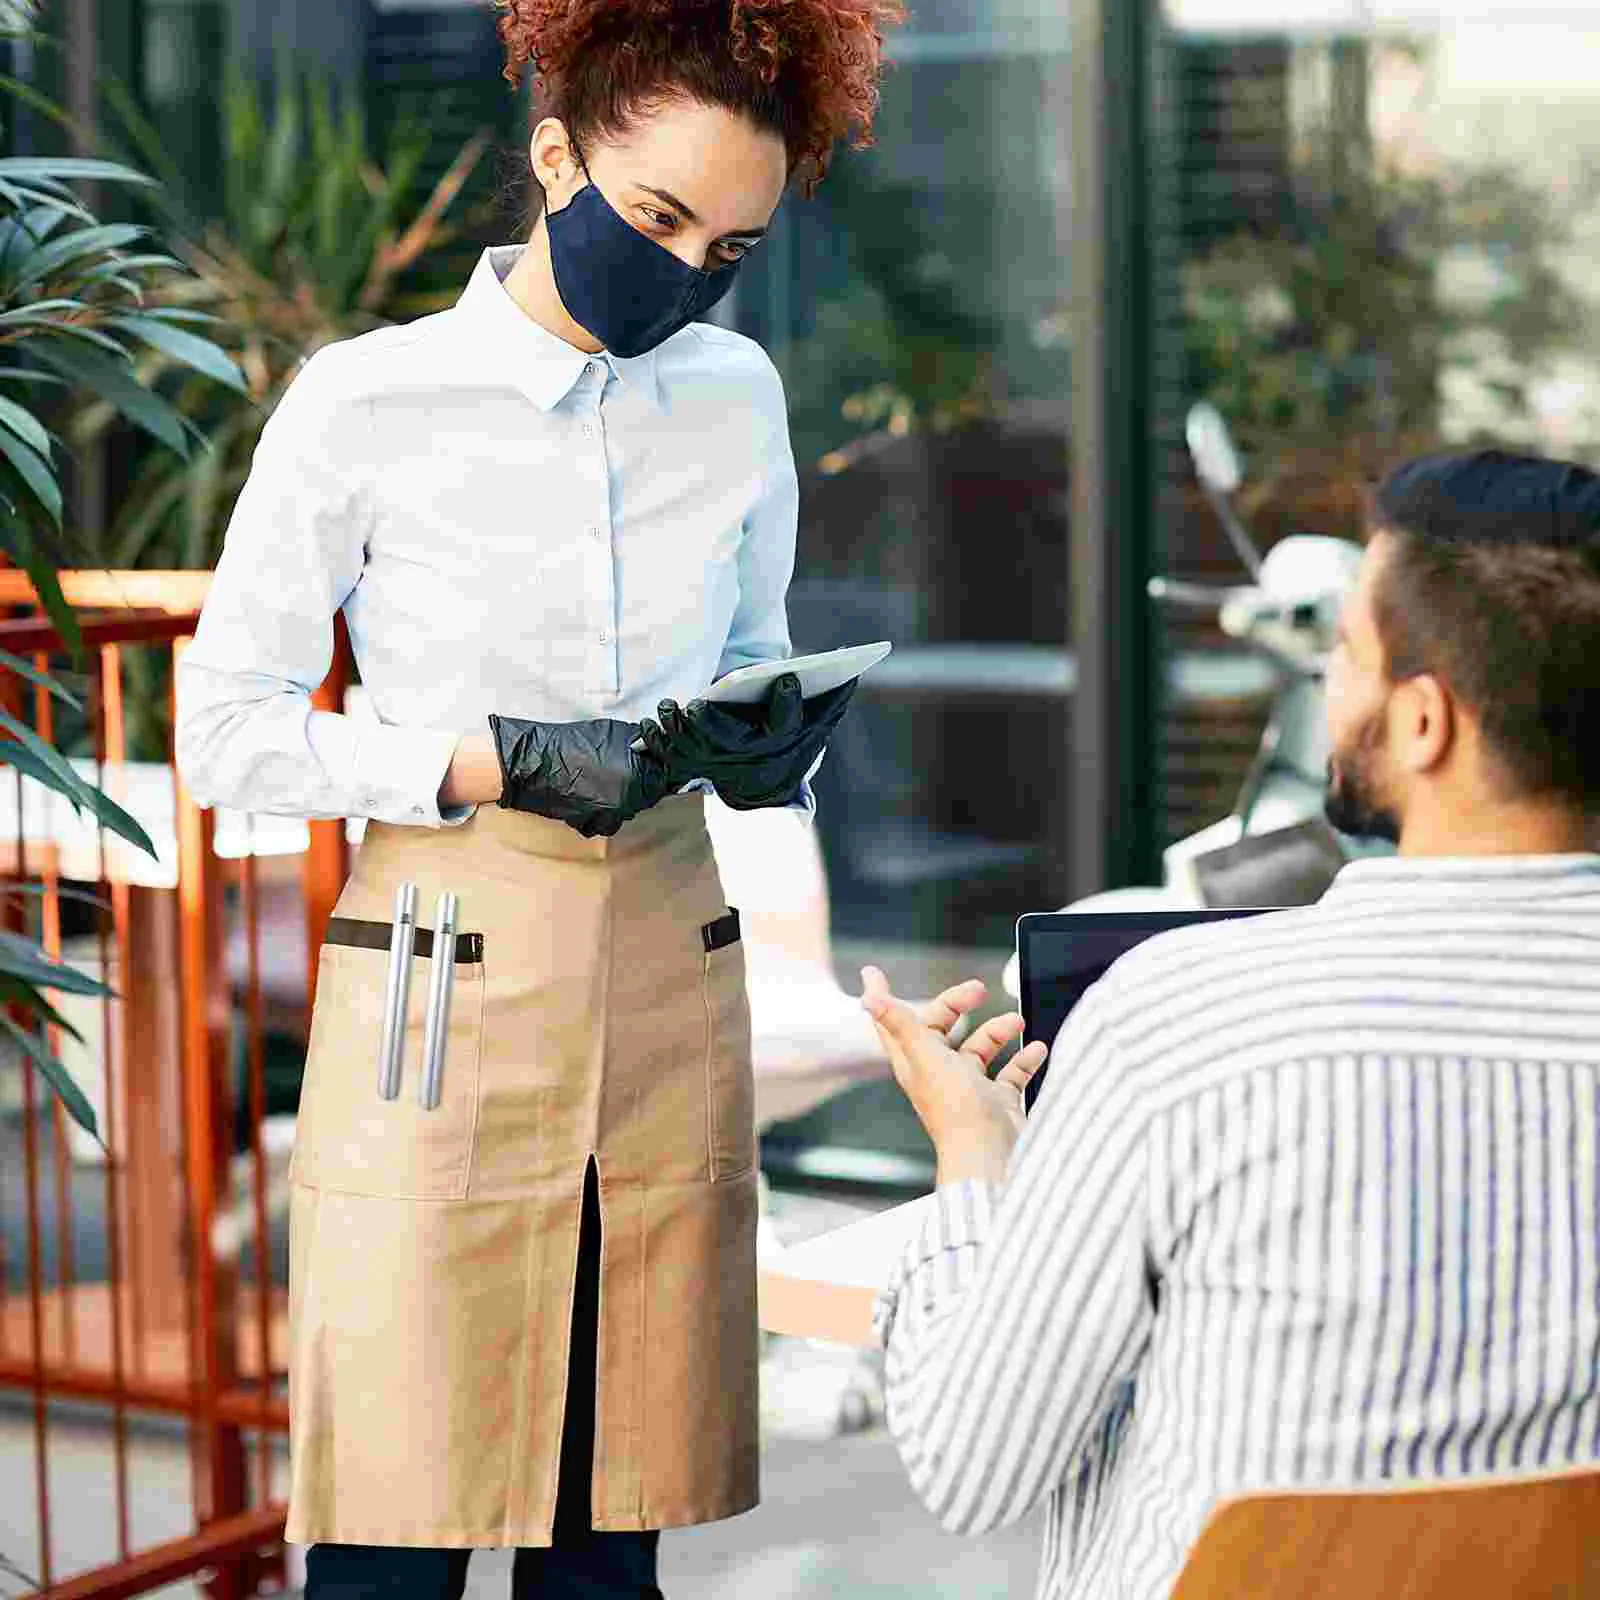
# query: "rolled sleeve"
[[1029, 1293], [399, 772], [247, 734], [940, 1260]]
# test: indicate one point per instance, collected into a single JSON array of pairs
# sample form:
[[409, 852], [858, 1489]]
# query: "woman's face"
[[699, 180]]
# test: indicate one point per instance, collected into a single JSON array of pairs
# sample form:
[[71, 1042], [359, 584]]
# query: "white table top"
[[824, 1287]]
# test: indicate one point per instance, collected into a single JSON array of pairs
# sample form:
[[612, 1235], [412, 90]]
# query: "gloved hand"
[[755, 756], [582, 773]]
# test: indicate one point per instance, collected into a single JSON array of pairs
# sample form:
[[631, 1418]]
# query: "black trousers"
[[580, 1564]]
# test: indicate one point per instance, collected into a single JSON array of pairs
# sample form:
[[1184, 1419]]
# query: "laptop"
[[1061, 953]]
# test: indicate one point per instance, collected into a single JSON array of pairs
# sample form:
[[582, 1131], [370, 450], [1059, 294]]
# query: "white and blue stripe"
[[1311, 1200]]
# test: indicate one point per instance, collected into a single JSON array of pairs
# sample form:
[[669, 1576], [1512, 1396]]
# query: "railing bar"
[[236, 1405], [250, 885], [198, 1242], [116, 749], [8, 914], [226, 1541], [66, 1285], [198, 1313], [82, 1383], [156, 627], [220, 1481], [30, 1167], [41, 1438], [111, 667], [50, 913], [96, 589]]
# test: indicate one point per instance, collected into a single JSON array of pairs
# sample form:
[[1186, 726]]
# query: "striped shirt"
[[1311, 1199]]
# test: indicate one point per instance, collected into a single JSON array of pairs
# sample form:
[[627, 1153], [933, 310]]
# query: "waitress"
[[526, 1316]]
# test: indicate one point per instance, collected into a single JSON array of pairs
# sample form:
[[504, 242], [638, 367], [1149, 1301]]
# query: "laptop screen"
[[1061, 953]]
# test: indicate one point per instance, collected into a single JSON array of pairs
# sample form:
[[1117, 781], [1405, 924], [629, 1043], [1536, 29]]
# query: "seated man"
[[1310, 1199]]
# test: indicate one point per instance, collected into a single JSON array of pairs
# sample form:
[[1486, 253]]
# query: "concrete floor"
[[837, 1518]]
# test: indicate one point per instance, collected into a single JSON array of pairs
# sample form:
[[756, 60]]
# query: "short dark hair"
[[1494, 586]]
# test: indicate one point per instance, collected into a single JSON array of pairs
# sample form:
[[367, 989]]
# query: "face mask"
[[628, 291]]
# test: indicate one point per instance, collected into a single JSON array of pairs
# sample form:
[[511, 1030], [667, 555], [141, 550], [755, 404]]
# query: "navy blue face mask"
[[628, 291]]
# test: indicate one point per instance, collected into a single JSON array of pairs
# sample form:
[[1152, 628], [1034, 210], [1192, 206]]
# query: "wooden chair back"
[[1528, 1538]]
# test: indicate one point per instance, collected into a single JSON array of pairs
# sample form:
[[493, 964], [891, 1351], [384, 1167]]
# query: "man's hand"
[[973, 1120]]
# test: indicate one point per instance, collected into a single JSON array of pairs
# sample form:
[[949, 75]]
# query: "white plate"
[[746, 686]]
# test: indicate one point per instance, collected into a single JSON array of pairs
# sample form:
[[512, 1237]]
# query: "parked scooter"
[[1275, 847]]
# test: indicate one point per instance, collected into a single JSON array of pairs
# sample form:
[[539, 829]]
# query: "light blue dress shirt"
[[509, 525]]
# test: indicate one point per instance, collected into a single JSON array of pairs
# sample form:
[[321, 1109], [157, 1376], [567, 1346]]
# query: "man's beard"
[[1352, 802]]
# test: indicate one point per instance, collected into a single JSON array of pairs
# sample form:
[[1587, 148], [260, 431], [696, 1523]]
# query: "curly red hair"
[[807, 70]]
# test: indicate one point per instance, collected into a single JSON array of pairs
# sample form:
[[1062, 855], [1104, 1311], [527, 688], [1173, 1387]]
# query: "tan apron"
[[433, 1253]]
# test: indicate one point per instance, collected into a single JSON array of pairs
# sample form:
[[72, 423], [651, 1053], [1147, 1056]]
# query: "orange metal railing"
[[171, 1325]]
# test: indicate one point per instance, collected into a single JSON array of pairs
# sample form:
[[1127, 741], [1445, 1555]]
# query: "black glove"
[[755, 756], [580, 773]]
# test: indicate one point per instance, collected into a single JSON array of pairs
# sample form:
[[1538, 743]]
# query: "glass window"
[[917, 309], [1386, 222]]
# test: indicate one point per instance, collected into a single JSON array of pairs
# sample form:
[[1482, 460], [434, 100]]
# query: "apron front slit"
[[565, 1275]]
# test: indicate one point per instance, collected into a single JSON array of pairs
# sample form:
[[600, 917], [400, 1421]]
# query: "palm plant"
[[79, 301], [318, 240]]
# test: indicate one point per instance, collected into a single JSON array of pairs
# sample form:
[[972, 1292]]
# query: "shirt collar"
[[1466, 877], [542, 366]]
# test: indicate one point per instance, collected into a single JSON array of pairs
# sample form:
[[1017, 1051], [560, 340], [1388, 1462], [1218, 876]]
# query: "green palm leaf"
[[111, 382], [24, 670], [35, 471], [69, 169], [200, 354], [29, 375], [25, 425], [60, 253], [59, 1079], [22, 959], [63, 777], [19, 543], [37, 890], [31, 755], [91, 326], [18, 992]]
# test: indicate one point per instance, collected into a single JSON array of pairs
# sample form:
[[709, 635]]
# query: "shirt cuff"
[[806, 801], [398, 774], [941, 1258]]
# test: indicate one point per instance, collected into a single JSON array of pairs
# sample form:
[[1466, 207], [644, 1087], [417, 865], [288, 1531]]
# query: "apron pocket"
[[350, 1139], [730, 1084]]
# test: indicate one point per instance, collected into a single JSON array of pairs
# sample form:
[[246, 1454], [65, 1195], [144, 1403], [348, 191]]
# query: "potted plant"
[[80, 300]]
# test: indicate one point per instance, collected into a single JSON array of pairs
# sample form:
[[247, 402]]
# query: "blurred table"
[[1192, 676], [824, 1287]]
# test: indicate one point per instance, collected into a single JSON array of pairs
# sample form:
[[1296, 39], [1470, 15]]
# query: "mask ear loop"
[[583, 166]]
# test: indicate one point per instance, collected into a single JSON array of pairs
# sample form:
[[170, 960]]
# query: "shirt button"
[[605, 638], [588, 430], [417, 811], [591, 368], [596, 532]]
